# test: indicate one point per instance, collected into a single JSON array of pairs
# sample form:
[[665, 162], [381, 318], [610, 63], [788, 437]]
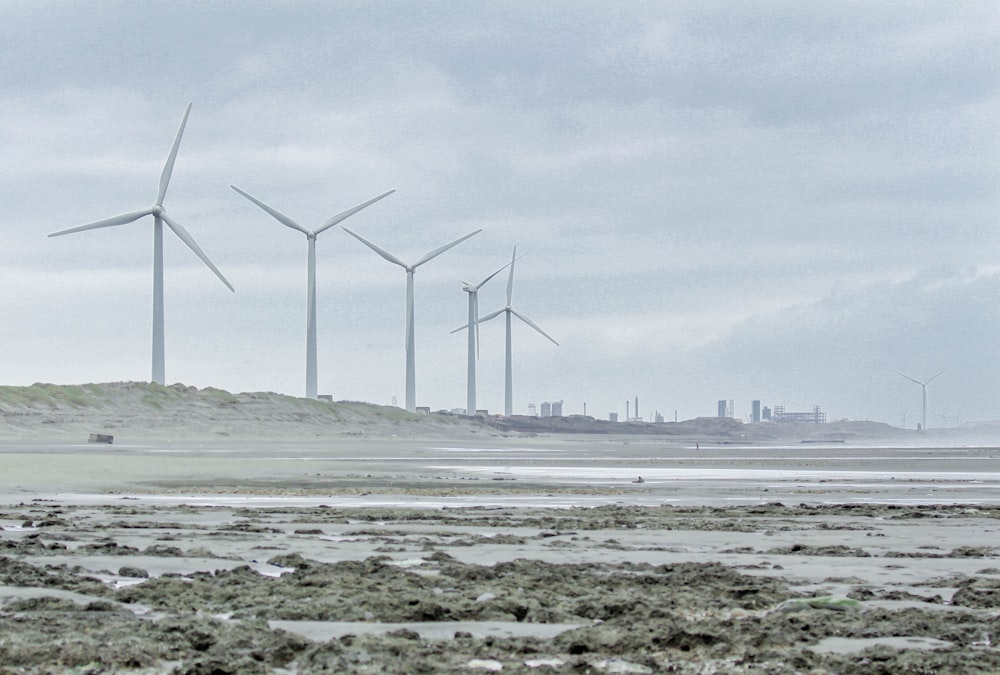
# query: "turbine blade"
[[480, 284], [277, 215], [480, 320], [385, 254], [438, 251], [492, 315], [343, 215], [510, 276], [936, 376], [911, 379], [107, 222], [168, 168], [184, 236], [531, 323]]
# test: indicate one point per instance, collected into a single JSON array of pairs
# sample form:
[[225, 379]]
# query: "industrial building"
[[817, 416], [551, 409]]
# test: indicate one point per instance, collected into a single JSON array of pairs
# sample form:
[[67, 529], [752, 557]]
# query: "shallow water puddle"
[[321, 631], [840, 645]]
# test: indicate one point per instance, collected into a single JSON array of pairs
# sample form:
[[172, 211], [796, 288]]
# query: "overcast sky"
[[783, 201]]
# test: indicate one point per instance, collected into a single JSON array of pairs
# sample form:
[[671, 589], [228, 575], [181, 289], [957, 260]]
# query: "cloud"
[[715, 200]]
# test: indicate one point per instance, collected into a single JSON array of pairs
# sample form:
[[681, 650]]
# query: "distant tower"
[[767, 414], [627, 412], [730, 409], [637, 407], [532, 410], [546, 409], [755, 414], [557, 408], [722, 408], [612, 417]]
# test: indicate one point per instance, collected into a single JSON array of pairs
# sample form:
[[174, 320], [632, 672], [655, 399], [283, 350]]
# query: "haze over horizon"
[[768, 200]]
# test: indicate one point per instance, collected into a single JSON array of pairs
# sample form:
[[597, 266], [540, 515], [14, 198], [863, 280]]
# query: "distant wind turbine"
[[473, 291], [508, 310], [159, 218], [411, 394], [311, 367], [923, 389]]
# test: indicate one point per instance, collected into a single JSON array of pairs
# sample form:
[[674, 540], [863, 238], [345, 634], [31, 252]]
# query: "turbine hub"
[[311, 235], [158, 210]]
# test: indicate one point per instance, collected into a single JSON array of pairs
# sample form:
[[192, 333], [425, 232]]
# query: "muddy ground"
[[134, 586]]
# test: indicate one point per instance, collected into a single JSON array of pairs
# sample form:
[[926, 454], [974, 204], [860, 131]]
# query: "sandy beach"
[[541, 554]]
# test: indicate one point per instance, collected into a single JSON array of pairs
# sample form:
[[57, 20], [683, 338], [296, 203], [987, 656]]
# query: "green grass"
[[49, 395], [219, 396], [386, 412], [161, 398]]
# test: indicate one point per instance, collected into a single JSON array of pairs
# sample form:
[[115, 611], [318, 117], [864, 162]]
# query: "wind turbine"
[[923, 388], [508, 310], [473, 291], [311, 387], [411, 393], [159, 218]]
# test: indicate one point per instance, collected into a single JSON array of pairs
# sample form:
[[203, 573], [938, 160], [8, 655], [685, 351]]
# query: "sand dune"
[[135, 410]]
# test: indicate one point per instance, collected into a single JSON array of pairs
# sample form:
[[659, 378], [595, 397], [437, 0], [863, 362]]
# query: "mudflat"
[[509, 554]]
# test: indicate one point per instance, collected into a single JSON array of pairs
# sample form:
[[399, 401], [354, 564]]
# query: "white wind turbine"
[[508, 310], [411, 393], [923, 389], [473, 291], [159, 218], [311, 367]]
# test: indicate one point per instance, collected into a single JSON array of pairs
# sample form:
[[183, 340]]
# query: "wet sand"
[[520, 555]]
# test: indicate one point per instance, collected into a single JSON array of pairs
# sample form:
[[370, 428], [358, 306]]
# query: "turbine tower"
[[508, 310], [411, 388], [473, 291], [311, 368], [923, 389], [159, 218]]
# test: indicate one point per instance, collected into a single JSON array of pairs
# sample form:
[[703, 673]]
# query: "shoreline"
[[531, 556]]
